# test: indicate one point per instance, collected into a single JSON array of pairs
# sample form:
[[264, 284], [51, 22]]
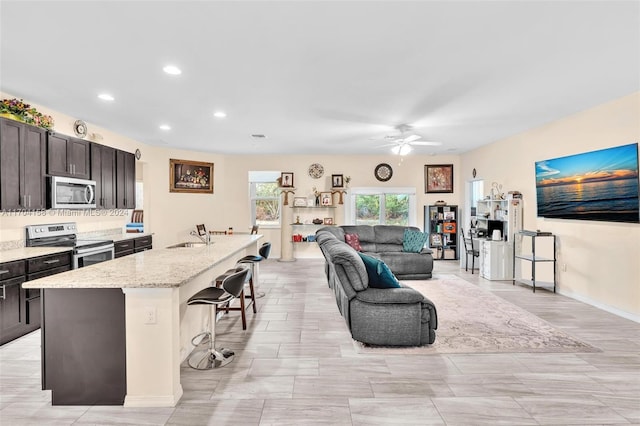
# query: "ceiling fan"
[[403, 144]]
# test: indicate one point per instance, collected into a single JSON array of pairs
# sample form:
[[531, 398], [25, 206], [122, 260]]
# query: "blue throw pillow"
[[380, 276], [413, 241]]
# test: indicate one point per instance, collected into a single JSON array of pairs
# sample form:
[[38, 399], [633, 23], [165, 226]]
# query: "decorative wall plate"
[[316, 170], [80, 128], [383, 172], [138, 154]]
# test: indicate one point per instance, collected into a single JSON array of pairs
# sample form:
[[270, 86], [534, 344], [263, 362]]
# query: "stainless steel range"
[[85, 252]]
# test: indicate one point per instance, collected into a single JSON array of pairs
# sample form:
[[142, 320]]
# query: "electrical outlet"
[[150, 315]]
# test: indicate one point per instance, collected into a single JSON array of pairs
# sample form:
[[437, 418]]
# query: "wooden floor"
[[296, 365]]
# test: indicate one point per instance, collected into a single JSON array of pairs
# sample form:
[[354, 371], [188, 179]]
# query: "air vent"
[[259, 136]]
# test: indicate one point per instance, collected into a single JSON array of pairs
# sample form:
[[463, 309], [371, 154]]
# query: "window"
[[373, 206], [264, 198]]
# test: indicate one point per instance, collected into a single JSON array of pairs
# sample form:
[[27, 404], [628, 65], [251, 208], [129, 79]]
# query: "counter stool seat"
[[232, 287], [253, 260], [217, 282]]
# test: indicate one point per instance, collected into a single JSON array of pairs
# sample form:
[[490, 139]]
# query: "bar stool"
[[232, 287], [253, 260], [218, 283]]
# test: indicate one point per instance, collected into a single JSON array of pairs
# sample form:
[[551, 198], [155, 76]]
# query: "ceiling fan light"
[[396, 150], [405, 149]]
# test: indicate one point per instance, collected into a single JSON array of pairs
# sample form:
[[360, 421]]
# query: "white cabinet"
[[507, 211], [496, 260]]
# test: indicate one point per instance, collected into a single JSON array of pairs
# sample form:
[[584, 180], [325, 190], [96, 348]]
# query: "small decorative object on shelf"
[[317, 221], [440, 203], [16, 109], [347, 179], [328, 221], [299, 202], [337, 181]]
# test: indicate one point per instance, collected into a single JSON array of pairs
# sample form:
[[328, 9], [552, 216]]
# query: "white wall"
[[602, 258]]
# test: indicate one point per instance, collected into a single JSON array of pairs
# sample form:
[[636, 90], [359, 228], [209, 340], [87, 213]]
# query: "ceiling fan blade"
[[426, 143], [412, 138]]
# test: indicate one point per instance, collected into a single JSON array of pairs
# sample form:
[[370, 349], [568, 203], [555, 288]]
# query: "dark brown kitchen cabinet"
[[19, 307], [122, 248], [125, 180], [68, 156], [12, 301], [22, 166], [142, 244], [103, 171], [132, 245]]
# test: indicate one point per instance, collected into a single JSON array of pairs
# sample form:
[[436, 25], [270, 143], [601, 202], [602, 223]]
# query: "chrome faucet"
[[206, 239]]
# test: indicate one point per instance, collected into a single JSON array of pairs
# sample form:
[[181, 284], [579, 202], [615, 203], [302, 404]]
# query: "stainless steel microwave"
[[71, 193]]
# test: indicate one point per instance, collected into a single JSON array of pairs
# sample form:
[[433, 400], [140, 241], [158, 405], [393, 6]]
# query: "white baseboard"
[[599, 305], [153, 400]]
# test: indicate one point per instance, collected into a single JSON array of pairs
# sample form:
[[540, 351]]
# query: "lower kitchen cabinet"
[[132, 245], [20, 308], [12, 300]]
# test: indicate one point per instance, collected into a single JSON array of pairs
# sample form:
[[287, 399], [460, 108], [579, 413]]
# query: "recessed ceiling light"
[[165, 127], [106, 97], [172, 69], [220, 114]]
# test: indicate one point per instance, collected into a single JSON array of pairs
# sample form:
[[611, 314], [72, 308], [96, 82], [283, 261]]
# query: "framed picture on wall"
[[190, 176], [286, 180], [438, 178]]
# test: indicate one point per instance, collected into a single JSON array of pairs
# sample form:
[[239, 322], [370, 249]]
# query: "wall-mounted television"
[[597, 185]]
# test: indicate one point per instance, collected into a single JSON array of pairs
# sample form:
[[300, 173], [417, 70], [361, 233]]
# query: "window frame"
[[350, 202], [262, 178]]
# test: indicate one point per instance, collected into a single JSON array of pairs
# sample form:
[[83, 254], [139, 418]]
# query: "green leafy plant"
[[26, 113]]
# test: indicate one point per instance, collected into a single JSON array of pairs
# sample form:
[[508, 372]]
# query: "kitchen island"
[[116, 332]]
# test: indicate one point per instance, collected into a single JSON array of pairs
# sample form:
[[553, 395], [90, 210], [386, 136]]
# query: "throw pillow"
[[380, 276], [353, 240], [413, 241]]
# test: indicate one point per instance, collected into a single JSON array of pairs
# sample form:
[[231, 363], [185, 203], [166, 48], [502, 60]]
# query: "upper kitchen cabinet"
[[103, 171], [125, 180], [68, 156], [22, 166]]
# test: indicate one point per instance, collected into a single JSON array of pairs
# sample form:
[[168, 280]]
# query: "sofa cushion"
[[413, 241], [380, 276], [353, 241], [391, 296], [352, 265]]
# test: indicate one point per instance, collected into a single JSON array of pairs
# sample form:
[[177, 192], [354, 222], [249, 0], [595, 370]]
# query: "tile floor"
[[296, 365]]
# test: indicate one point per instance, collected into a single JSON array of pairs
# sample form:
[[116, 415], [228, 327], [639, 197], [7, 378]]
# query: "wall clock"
[[383, 172], [316, 170], [80, 128]]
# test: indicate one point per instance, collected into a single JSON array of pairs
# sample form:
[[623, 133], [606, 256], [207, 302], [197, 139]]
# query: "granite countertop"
[[157, 268], [29, 252]]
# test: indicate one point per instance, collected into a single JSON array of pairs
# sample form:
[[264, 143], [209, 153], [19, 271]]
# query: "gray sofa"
[[376, 316], [385, 243]]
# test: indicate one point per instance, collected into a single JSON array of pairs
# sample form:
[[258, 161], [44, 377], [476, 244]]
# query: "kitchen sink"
[[187, 244]]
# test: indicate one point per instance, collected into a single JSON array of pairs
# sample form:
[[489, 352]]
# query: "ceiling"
[[319, 77]]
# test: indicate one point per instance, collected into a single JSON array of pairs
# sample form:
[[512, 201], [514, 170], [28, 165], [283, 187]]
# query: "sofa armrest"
[[429, 313], [401, 295]]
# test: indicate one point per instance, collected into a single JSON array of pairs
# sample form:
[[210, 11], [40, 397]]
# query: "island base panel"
[[83, 346]]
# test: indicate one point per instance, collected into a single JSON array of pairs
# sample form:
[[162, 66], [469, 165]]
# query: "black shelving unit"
[[441, 222], [521, 255]]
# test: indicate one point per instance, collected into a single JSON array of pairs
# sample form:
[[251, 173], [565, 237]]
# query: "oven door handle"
[[94, 250]]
